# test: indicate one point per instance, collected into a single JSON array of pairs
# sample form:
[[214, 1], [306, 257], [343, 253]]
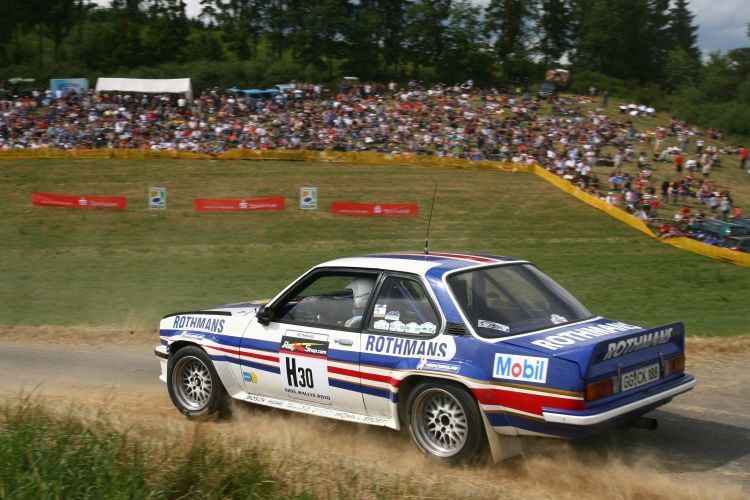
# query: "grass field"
[[69, 267]]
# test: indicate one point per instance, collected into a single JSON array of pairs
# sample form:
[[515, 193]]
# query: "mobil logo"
[[525, 368]]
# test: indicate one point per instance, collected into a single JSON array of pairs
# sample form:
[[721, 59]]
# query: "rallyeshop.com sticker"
[[303, 357]]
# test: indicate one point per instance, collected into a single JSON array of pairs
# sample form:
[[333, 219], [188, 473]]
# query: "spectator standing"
[[665, 191], [691, 164], [678, 161], [743, 156], [725, 205]]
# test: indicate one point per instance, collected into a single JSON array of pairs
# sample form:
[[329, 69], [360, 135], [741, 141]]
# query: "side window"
[[402, 306], [328, 300]]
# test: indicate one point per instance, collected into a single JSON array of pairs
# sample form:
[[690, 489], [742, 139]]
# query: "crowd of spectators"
[[457, 122]]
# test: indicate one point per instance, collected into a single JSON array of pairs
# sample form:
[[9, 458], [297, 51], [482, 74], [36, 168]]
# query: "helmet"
[[361, 289]]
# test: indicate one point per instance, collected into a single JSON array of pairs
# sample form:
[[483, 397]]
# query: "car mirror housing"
[[264, 315]]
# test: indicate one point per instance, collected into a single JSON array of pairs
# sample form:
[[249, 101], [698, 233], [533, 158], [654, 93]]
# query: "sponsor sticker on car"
[[304, 366], [520, 368]]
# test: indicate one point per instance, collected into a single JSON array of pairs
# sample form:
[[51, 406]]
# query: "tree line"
[[642, 47]]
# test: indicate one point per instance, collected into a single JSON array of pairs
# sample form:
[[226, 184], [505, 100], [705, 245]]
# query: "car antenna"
[[429, 220]]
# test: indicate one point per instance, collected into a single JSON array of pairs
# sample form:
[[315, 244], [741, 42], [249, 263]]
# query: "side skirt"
[[320, 411]]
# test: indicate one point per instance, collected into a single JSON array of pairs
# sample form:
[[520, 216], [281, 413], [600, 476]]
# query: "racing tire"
[[194, 385], [444, 422]]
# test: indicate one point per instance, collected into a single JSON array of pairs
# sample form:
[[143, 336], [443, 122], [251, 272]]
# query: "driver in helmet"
[[361, 289]]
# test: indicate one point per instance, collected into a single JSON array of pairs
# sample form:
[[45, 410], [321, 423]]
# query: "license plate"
[[639, 377]]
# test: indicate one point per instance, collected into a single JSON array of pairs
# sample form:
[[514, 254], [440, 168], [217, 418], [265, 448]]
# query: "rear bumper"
[[594, 417]]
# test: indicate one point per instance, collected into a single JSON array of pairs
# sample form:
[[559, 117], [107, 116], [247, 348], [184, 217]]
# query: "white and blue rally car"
[[464, 350]]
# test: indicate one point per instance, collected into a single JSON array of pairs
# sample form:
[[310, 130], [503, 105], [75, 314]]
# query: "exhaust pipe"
[[644, 423]]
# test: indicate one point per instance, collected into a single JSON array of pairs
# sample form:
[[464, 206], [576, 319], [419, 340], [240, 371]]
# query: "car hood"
[[247, 309]]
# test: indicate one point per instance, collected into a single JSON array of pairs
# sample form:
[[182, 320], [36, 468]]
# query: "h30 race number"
[[304, 366]]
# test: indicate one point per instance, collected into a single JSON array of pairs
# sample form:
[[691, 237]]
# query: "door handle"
[[344, 341]]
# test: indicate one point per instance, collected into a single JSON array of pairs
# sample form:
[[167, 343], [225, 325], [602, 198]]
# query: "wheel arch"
[[408, 384], [181, 344], [501, 447]]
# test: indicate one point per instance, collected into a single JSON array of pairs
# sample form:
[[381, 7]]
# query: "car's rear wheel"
[[444, 422], [194, 385]]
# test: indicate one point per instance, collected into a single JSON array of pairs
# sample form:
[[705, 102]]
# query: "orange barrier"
[[370, 157]]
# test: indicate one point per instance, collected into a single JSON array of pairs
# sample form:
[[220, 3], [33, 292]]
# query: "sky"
[[722, 24]]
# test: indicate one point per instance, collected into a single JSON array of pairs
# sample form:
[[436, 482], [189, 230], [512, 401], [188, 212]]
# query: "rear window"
[[512, 299]]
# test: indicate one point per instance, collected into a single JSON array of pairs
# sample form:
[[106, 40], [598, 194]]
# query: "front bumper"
[[162, 352], [619, 411]]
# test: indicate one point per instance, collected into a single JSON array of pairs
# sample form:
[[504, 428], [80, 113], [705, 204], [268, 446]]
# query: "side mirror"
[[263, 315]]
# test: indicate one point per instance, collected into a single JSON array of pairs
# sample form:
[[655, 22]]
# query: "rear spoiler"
[[663, 341]]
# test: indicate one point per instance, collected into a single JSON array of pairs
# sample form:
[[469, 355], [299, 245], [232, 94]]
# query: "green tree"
[[625, 39], [318, 31], [98, 49], [466, 54], [390, 16], [128, 18], [719, 79], [205, 45], [166, 32], [362, 39], [424, 40], [241, 21], [679, 70], [683, 34], [554, 27], [508, 23], [59, 20]]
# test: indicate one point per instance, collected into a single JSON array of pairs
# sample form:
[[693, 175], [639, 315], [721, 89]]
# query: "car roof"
[[419, 262]]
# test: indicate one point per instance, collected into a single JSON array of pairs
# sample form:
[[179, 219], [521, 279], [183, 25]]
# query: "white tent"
[[154, 86]]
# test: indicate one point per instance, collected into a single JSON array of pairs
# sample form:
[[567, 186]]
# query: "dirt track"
[[701, 448]]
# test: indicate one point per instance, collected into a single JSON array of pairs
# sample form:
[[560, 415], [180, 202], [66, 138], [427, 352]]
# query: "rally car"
[[465, 350]]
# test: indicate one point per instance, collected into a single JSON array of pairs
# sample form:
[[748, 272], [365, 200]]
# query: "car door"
[[309, 349], [401, 332]]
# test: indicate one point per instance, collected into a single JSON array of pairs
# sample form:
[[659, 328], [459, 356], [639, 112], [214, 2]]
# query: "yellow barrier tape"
[[739, 258], [611, 210], [275, 154], [691, 245]]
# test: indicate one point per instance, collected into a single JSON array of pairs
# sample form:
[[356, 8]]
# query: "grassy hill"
[[69, 267]]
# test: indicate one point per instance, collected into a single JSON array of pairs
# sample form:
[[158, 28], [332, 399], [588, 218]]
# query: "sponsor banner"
[[375, 209], [308, 198], [85, 202], [239, 204], [157, 198], [62, 87]]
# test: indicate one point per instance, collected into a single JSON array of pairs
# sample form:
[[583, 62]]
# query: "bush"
[[580, 83]]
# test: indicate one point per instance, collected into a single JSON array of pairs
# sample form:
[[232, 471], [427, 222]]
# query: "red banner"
[[85, 202], [239, 204], [375, 209]]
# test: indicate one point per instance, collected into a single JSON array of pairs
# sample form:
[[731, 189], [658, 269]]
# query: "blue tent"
[[255, 92]]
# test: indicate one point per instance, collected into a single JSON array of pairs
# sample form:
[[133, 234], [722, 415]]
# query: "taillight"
[[675, 365], [600, 389]]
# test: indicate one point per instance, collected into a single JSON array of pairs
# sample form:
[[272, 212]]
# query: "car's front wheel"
[[194, 385], [444, 422]]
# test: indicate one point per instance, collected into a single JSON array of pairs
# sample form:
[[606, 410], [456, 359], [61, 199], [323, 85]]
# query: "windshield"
[[512, 299]]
